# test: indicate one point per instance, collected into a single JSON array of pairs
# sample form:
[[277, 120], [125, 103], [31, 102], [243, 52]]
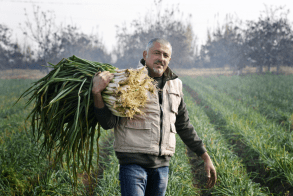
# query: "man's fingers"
[[209, 182], [105, 75], [101, 80], [97, 73], [212, 179], [111, 75]]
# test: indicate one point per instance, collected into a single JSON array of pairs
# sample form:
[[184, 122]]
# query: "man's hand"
[[101, 81], [210, 170]]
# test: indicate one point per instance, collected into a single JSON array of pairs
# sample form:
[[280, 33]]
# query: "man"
[[144, 146]]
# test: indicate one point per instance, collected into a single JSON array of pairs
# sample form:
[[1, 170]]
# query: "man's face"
[[157, 59]]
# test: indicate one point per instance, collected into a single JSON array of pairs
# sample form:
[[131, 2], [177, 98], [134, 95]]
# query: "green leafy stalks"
[[63, 114]]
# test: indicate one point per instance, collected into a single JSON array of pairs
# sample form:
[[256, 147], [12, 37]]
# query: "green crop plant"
[[268, 94], [23, 170], [232, 176], [180, 176], [262, 136]]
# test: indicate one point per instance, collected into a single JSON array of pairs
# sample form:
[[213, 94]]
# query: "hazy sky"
[[101, 16]]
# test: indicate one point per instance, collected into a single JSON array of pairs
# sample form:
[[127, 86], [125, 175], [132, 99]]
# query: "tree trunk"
[[239, 71], [278, 68], [260, 69]]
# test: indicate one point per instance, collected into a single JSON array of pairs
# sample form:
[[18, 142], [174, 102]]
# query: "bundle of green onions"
[[127, 92], [63, 116]]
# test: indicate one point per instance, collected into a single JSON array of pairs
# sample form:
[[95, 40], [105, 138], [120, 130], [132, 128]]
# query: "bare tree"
[[10, 52], [5, 45], [43, 32], [73, 42], [159, 24]]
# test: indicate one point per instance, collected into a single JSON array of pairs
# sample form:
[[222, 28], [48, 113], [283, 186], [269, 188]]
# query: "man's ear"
[[144, 54]]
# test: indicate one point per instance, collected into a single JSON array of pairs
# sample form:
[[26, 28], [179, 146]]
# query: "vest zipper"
[[161, 122], [161, 132]]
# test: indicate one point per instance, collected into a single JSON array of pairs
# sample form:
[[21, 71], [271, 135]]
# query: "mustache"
[[159, 62]]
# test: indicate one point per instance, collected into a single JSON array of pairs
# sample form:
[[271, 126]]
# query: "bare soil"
[[21, 74]]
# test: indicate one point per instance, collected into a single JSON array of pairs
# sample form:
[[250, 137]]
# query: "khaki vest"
[[141, 134]]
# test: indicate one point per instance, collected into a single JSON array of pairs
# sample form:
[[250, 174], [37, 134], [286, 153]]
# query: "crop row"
[[271, 95], [272, 143], [23, 169], [276, 132], [233, 178]]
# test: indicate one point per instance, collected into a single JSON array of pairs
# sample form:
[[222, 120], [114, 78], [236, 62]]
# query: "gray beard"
[[158, 71]]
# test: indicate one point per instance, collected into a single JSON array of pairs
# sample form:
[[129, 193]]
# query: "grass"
[[108, 181]]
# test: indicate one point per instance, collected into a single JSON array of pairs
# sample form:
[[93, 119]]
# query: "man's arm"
[[189, 136], [105, 117], [186, 130], [98, 100]]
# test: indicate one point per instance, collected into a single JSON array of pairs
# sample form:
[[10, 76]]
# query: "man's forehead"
[[161, 48]]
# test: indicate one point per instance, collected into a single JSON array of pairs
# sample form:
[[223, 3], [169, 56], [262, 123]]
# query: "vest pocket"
[[137, 134], [172, 137], [174, 100]]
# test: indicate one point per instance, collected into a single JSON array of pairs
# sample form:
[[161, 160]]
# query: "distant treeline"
[[267, 41]]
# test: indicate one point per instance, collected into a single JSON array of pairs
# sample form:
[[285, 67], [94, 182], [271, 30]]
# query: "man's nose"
[[161, 57]]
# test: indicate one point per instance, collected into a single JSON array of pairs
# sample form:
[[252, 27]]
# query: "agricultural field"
[[23, 169], [246, 123]]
